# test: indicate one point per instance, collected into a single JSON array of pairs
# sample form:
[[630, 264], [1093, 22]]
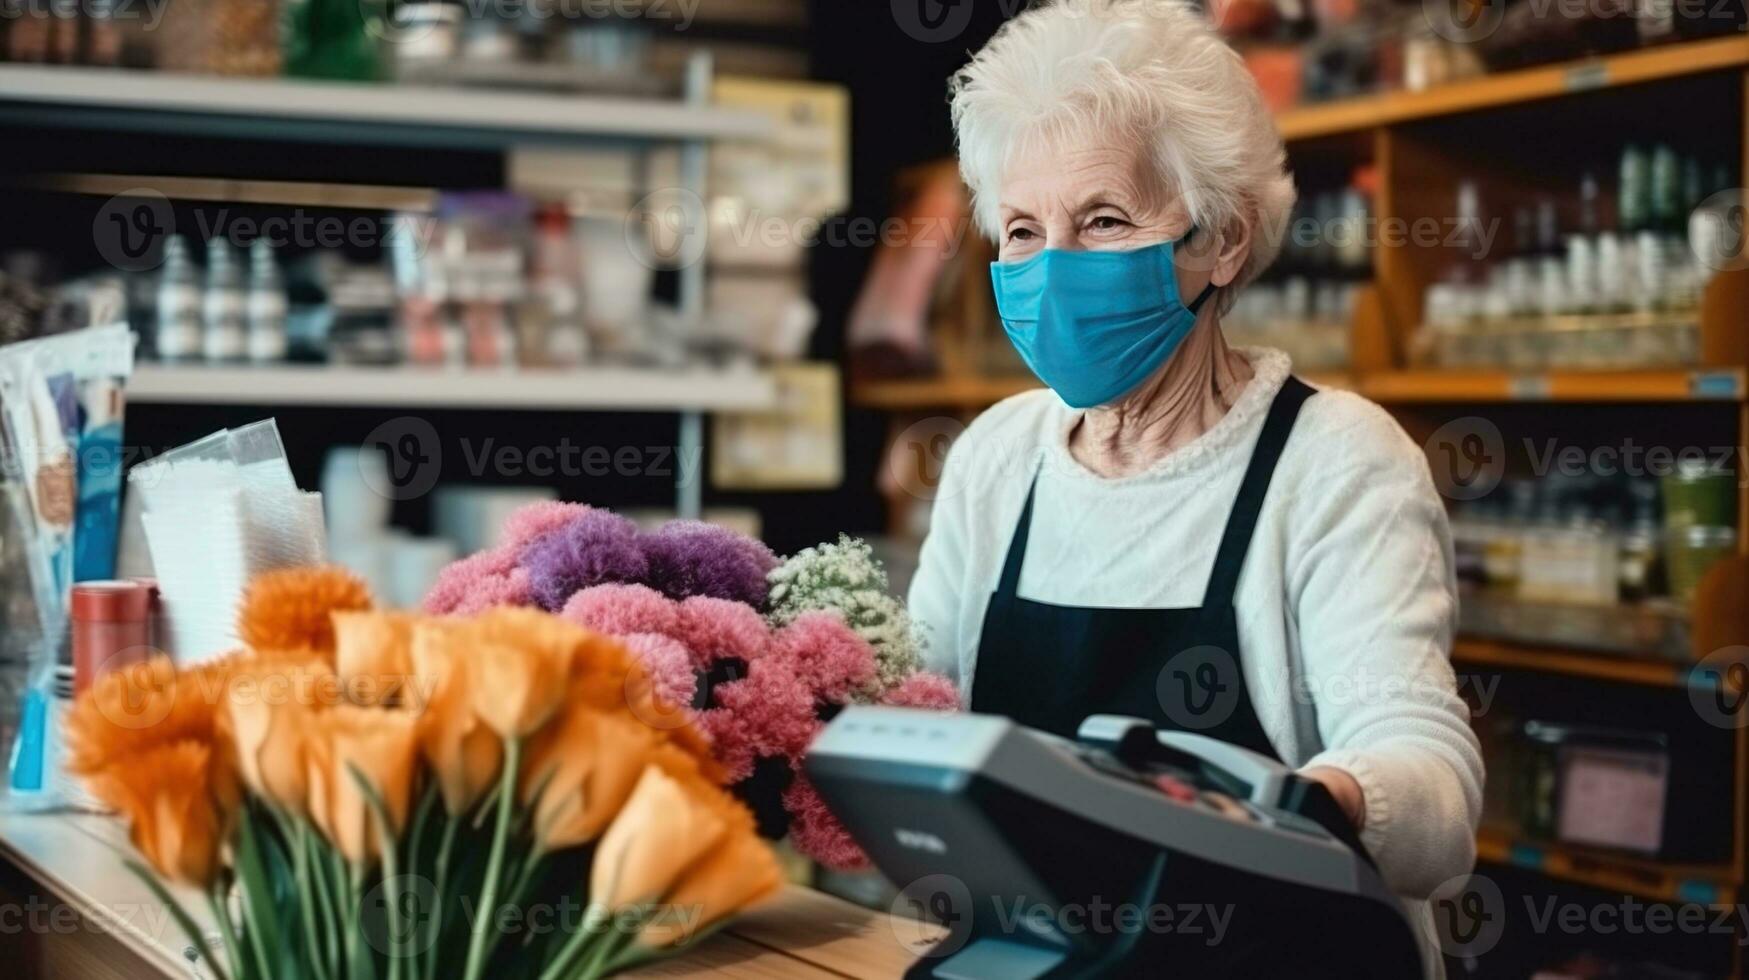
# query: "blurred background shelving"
[[632, 232]]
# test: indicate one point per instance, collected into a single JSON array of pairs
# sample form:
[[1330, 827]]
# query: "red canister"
[[112, 628]]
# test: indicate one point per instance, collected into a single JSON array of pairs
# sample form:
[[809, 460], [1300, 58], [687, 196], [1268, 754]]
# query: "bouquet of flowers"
[[757, 653], [369, 794]]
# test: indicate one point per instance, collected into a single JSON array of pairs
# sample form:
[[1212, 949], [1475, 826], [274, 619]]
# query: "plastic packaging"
[[215, 513], [60, 418]]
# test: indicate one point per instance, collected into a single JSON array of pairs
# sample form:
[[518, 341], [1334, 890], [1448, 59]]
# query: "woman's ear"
[[1232, 251]]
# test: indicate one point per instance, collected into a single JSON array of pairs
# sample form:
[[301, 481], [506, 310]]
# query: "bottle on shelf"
[[267, 305], [1591, 252], [177, 336], [1552, 285], [1641, 541], [223, 336]]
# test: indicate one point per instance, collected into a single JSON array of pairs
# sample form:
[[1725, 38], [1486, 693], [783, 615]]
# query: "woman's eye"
[[1107, 222], [1020, 235]]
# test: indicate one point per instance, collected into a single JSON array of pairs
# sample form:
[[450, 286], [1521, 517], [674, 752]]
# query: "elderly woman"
[[1179, 529]]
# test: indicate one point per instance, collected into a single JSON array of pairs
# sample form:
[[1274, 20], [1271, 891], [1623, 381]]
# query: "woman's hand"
[[1345, 789]]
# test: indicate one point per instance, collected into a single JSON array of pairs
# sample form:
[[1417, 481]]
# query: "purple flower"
[[596, 547], [691, 558]]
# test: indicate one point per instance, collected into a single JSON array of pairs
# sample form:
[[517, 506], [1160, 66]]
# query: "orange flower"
[[171, 795], [738, 873], [383, 747], [519, 665], [606, 677], [463, 753], [267, 718], [662, 830], [290, 609], [373, 654], [142, 706], [584, 767]]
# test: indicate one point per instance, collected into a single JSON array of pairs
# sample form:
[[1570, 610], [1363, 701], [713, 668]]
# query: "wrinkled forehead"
[[1074, 168]]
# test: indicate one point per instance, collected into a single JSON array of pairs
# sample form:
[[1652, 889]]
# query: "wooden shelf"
[[972, 393], [1401, 387], [1707, 384], [1646, 877], [976, 394], [377, 114], [1510, 88], [583, 389], [1467, 652]]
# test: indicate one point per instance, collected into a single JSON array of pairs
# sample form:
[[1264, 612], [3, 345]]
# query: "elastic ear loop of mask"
[[1208, 290]]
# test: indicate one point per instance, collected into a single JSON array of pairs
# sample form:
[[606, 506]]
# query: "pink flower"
[[923, 690], [816, 832], [622, 609], [532, 521], [770, 712], [717, 628], [668, 664], [476, 583], [828, 656]]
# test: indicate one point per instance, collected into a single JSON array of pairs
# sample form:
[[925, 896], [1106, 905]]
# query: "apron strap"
[[1009, 584], [1236, 539]]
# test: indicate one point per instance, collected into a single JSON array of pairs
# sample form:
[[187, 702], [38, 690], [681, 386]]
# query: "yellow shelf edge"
[[1513, 87]]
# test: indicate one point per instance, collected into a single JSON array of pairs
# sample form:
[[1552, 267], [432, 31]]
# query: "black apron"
[[1049, 666]]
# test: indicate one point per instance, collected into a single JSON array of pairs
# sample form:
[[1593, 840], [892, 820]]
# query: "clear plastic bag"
[[60, 434]]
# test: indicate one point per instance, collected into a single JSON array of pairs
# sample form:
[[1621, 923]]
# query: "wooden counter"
[[69, 909]]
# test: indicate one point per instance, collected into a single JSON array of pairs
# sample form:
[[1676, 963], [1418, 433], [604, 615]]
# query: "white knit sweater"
[[1345, 605]]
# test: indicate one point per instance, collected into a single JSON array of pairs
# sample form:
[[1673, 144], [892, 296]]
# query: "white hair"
[[1153, 70]]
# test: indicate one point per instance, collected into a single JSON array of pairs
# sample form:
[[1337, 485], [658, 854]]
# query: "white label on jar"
[[1528, 387]]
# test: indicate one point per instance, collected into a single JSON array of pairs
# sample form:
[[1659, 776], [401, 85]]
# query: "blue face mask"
[[1093, 325]]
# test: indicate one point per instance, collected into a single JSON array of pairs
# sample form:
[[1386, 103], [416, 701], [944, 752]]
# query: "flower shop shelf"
[[627, 389], [978, 392], [76, 861], [375, 114], [1676, 385], [1513, 87], [1646, 877], [1471, 653]]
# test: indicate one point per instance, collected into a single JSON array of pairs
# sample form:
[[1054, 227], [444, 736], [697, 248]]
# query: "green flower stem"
[[610, 942], [485, 918], [416, 844], [332, 921], [559, 965], [525, 877], [227, 933], [444, 848], [392, 875], [354, 899], [257, 919], [307, 899]]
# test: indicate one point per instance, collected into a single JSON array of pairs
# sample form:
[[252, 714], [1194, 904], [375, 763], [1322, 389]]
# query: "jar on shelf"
[[1690, 551]]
